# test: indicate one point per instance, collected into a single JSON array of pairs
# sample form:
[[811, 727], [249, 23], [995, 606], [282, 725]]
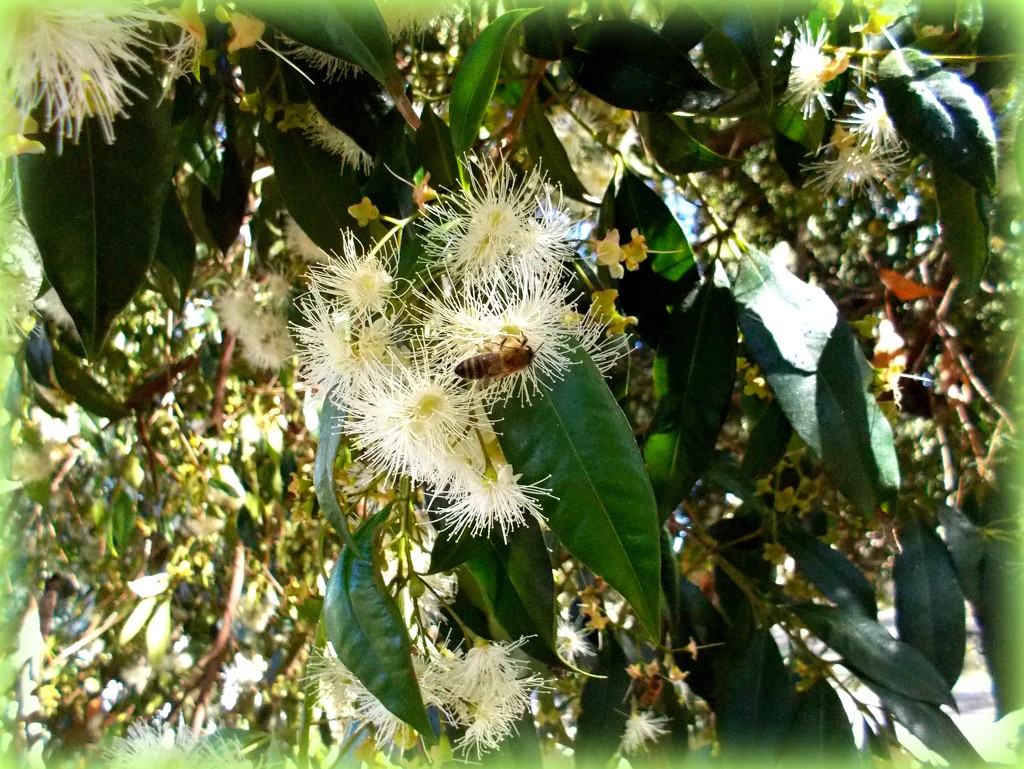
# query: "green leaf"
[[1001, 616], [176, 247], [819, 733], [603, 703], [348, 29], [818, 373], [665, 277], [829, 571], [331, 432], [369, 634], [964, 227], [476, 78], [929, 724], [930, 611], [158, 632], [315, 190], [631, 66], [136, 620], [547, 34], [873, 654], [940, 116], [769, 439], [434, 150], [671, 145], [575, 441], [966, 543], [95, 211], [122, 520], [76, 381], [512, 584], [548, 152], [698, 353], [751, 28], [756, 701]]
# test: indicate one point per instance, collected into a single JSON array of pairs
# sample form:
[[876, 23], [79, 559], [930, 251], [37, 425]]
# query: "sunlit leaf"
[[575, 441], [476, 78]]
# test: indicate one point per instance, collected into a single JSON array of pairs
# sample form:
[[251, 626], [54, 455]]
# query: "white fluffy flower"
[[337, 142], [642, 727], [871, 124], [70, 59], [299, 243], [331, 67], [159, 746], [522, 309], [849, 163], [489, 689], [489, 498], [261, 331], [499, 224], [811, 71], [408, 422], [340, 354], [403, 17], [346, 698], [571, 642], [362, 282]]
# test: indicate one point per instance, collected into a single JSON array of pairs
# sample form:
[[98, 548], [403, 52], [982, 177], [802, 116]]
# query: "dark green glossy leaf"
[[520, 749], [76, 381], [176, 247], [675, 150], [512, 584], [769, 439], [448, 552], [368, 633], [352, 30], [331, 431], [929, 724], [434, 150], [818, 373], [315, 190], [547, 34], [684, 27], [751, 28], [666, 276], [1000, 612], [224, 211], [545, 148], [476, 78], [390, 182], [964, 227], [698, 355], [575, 441], [632, 66], [95, 211], [873, 654], [966, 544], [603, 706], [930, 611], [38, 361], [940, 116], [756, 701], [830, 572], [820, 734], [695, 617]]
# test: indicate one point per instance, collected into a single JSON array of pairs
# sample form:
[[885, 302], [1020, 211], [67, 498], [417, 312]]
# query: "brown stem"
[[217, 412]]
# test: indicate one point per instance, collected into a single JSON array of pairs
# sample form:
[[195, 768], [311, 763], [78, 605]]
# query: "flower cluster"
[[160, 746], [865, 147], [257, 317], [75, 61], [417, 366], [483, 690]]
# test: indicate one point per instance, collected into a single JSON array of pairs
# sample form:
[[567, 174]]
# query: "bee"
[[512, 355]]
